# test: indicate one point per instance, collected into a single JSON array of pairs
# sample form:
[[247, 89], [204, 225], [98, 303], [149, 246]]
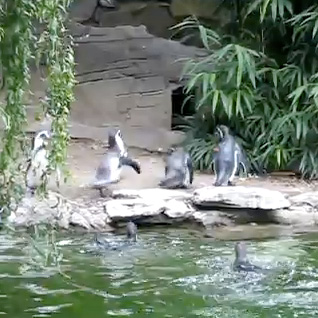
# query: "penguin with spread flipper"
[[178, 170], [38, 163], [241, 262], [109, 170], [226, 157]]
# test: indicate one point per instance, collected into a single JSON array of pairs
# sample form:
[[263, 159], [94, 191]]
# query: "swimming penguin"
[[226, 158], [109, 170], [178, 170], [131, 231], [38, 163], [131, 236], [241, 262]]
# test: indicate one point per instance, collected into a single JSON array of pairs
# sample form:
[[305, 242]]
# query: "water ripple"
[[168, 273]]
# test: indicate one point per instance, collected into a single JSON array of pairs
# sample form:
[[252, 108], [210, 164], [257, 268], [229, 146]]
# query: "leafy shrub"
[[262, 81]]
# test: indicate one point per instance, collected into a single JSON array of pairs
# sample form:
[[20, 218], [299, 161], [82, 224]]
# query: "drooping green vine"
[[15, 58], [19, 46], [61, 80]]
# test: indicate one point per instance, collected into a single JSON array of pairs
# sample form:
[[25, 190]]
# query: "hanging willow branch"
[[15, 58], [17, 45], [56, 45]]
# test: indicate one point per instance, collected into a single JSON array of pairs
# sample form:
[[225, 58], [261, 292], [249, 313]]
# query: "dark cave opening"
[[182, 106]]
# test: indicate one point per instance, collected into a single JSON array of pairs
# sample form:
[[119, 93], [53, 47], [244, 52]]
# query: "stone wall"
[[125, 78]]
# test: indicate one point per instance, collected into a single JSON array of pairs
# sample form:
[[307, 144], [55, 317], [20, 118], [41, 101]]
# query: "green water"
[[168, 273]]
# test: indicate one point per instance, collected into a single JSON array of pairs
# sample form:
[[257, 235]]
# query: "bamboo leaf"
[[264, 9], [240, 66], [315, 29], [238, 104], [297, 94], [289, 6], [225, 101], [247, 102], [281, 8], [274, 9], [215, 100], [193, 82], [252, 7], [204, 37]]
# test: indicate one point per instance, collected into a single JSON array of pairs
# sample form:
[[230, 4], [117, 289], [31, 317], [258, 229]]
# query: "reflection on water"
[[168, 273]]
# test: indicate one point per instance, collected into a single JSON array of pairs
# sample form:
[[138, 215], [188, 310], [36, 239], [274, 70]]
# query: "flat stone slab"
[[209, 206], [126, 209], [240, 197], [151, 194], [305, 199]]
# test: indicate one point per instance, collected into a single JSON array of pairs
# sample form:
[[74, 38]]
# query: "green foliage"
[[260, 80], [61, 78], [42, 250], [19, 46], [15, 57]]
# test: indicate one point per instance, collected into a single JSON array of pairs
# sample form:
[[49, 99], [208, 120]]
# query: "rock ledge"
[[209, 206]]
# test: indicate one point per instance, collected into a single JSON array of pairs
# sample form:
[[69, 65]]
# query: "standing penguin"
[[38, 163], [109, 170], [226, 159], [178, 170]]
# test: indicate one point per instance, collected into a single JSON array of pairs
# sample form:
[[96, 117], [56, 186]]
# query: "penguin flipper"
[[246, 267], [126, 161], [190, 168]]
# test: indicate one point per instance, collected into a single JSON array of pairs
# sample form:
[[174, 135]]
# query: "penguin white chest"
[[38, 167], [114, 169], [186, 181]]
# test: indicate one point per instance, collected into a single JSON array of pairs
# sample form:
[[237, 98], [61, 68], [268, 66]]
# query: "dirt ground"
[[84, 157]]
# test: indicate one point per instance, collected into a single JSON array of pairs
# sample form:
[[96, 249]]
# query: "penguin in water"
[[131, 237], [178, 170], [38, 163], [109, 170], [131, 231], [241, 262], [226, 158]]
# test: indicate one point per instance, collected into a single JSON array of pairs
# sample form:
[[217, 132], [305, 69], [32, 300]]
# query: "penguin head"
[[170, 150], [221, 131], [115, 140], [41, 139]]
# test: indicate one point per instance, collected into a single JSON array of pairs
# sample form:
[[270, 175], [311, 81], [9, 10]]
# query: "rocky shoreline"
[[207, 207]]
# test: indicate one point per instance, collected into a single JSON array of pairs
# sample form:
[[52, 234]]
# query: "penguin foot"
[[104, 194], [231, 184]]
